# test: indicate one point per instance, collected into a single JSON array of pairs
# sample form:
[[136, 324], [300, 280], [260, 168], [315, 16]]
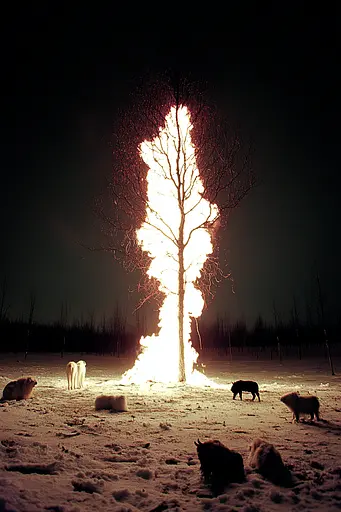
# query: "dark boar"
[[245, 385]]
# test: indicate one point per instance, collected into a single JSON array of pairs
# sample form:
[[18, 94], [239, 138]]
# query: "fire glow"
[[175, 198]]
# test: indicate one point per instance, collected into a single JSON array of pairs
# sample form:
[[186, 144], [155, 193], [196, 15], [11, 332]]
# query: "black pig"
[[245, 385]]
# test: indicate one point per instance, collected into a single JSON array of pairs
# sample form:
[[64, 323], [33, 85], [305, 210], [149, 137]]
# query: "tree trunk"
[[181, 248], [181, 291], [322, 320]]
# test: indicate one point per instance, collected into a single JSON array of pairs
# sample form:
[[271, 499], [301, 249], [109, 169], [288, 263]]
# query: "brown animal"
[[20, 389], [268, 462], [72, 375], [302, 405], [113, 403], [219, 465]]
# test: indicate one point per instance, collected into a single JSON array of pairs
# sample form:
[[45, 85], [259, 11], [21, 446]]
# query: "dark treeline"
[[21, 336], [276, 340], [115, 338]]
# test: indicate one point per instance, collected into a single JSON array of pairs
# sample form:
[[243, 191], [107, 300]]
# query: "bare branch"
[[223, 159]]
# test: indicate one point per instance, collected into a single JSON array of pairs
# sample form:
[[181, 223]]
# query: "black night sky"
[[65, 74]]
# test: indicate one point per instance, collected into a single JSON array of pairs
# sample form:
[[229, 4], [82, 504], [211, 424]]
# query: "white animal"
[[114, 403], [71, 374], [81, 371]]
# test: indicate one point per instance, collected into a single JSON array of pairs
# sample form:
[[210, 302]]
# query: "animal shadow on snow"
[[324, 424]]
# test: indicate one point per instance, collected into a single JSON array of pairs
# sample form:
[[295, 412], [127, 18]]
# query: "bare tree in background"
[[119, 325], [4, 307], [277, 324], [30, 321], [64, 316], [224, 164], [323, 322], [296, 324]]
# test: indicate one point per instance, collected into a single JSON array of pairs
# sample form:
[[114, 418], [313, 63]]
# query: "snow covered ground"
[[58, 453]]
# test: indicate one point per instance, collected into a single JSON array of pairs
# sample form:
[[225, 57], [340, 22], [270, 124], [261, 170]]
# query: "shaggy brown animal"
[[302, 405], [20, 389], [219, 465], [113, 403], [268, 462]]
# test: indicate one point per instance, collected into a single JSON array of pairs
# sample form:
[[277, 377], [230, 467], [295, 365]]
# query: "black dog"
[[245, 385], [219, 465]]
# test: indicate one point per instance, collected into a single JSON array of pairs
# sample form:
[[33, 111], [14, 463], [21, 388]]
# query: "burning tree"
[[177, 175]]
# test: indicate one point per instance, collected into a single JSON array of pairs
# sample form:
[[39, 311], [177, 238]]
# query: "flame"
[[174, 188]]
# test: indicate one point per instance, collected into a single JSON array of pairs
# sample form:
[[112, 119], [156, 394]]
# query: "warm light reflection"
[[173, 183]]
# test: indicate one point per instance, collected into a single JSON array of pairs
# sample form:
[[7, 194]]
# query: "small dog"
[[72, 375], [20, 389], [268, 462], [113, 403], [81, 371], [219, 465], [245, 385], [302, 405]]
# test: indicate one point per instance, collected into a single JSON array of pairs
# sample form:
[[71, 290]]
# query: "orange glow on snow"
[[158, 235]]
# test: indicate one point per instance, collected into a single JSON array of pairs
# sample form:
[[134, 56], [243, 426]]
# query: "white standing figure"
[[71, 373], [81, 365]]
